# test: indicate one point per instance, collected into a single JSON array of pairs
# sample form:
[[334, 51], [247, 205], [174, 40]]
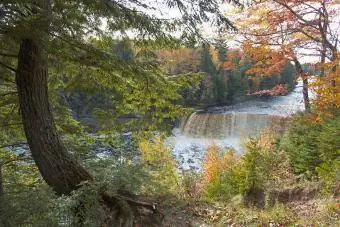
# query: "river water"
[[229, 126]]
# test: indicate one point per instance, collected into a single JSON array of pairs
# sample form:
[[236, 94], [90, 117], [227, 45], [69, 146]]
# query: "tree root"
[[125, 211]]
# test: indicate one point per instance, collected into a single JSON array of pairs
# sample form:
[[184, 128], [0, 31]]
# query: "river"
[[229, 126]]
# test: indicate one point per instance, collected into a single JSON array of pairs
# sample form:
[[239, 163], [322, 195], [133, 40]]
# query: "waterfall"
[[229, 126], [222, 126]]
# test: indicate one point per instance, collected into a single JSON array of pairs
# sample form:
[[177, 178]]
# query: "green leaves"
[[309, 150]]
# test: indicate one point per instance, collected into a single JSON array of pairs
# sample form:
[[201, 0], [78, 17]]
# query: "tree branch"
[[12, 124], [8, 55], [9, 93], [7, 80], [8, 67], [285, 5]]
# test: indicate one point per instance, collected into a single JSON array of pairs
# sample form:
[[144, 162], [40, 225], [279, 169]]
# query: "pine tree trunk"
[[304, 78], [58, 168], [305, 93]]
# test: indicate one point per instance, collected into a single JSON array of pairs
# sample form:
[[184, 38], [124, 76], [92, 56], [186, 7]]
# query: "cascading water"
[[228, 127], [224, 125]]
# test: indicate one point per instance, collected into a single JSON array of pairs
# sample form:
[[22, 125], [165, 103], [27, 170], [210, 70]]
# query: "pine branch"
[[7, 80], [8, 55], [8, 67], [12, 124], [9, 93]]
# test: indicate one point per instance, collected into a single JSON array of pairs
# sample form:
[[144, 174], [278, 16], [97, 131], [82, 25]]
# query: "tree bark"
[[58, 168], [304, 78]]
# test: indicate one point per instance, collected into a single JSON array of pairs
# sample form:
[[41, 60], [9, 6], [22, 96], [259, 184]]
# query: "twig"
[[7, 80], [8, 67]]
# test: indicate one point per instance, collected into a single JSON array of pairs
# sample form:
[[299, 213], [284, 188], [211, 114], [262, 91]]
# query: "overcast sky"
[[161, 10]]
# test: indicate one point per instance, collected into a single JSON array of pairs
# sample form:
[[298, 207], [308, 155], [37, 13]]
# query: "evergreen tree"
[[124, 50], [238, 82], [221, 83], [288, 76], [206, 63], [208, 66]]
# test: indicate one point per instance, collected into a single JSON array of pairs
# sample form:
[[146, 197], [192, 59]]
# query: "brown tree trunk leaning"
[[58, 168], [304, 78]]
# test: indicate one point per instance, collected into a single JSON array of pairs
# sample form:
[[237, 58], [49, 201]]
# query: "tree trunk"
[[305, 93], [58, 168], [304, 78]]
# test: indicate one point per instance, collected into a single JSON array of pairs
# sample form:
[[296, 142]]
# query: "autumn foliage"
[[278, 90], [266, 62], [220, 174], [327, 88]]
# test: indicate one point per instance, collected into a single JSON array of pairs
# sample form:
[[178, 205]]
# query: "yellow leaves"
[[211, 165], [156, 153], [214, 164], [266, 61], [327, 87], [158, 160], [182, 58]]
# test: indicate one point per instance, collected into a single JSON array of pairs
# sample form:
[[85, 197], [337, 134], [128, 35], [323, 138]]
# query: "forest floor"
[[304, 210]]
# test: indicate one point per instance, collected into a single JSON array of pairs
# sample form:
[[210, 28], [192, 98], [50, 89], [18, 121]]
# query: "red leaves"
[[278, 90], [266, 62]]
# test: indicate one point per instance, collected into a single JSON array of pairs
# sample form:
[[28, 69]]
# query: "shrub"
[[225, 176], [301, 146], [254, 167], [313, 147], [158, 161], [329, 173], [220, 175], [192, 184]]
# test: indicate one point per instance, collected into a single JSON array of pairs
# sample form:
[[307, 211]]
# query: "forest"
[[169, 113]]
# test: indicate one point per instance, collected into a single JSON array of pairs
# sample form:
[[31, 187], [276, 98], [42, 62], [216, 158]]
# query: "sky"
[[161, 10]]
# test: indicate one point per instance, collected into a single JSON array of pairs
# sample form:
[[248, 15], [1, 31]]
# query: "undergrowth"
[[239, 184]]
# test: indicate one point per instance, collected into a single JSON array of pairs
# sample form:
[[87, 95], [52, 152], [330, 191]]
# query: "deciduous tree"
[[295, 29]]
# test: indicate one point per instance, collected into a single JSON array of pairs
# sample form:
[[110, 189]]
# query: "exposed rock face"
[[291, 195]]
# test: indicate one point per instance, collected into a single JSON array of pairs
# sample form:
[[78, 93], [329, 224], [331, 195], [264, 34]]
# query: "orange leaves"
[[233, 58], [278, 90], [233, 54], [211, 165], [266, 62], [215, 164], [228, 65], [179, 60], [327, 88]]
